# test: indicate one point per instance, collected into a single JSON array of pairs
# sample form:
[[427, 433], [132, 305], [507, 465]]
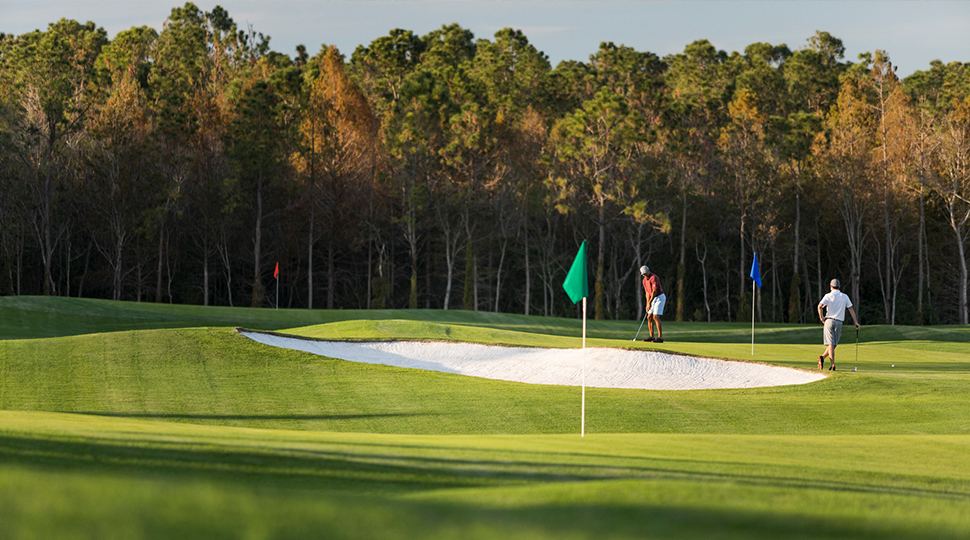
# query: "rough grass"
[[137, 421]]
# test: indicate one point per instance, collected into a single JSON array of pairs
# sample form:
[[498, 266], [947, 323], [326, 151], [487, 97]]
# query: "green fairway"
[[123, 420], [124, 478]]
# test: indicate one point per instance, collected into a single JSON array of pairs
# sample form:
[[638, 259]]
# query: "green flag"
[[576, 284]]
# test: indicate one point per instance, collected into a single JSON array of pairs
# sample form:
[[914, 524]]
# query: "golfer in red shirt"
[[656, 299]]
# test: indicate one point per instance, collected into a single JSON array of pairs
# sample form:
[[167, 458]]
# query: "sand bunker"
[[605, 368]]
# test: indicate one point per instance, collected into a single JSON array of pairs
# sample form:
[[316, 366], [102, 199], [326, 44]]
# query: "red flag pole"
[[276, 275]]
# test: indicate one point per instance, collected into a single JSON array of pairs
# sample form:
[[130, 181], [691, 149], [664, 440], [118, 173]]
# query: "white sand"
[[605, 368]]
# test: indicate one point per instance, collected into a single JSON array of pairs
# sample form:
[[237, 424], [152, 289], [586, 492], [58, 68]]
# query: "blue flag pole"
[[755, 280]]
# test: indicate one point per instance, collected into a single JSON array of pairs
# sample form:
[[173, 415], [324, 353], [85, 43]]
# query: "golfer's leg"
[[660, 331]]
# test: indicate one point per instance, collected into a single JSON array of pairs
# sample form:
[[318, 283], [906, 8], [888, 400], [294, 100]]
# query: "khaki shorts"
[[832, 332]]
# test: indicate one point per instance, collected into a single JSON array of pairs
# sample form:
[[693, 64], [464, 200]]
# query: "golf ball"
[[894, 365]]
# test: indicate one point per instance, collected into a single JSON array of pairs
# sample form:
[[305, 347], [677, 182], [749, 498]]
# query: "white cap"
[[644, 269], [835, 284]]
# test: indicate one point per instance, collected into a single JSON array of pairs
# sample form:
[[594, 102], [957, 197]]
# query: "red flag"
[[276, 273]]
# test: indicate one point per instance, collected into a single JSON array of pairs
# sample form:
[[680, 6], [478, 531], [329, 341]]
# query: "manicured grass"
[[158, 479], [124, 420], [215, 376], [37, 317]]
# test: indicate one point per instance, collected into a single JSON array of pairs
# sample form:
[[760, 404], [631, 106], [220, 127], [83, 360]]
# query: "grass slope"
[[23, 317], [123, 420], [215, 376]]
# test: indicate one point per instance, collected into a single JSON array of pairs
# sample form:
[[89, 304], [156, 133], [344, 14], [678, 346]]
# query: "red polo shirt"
[[651, 285]]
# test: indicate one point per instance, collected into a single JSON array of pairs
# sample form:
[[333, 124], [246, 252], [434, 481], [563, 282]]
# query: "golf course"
[[140, 421]]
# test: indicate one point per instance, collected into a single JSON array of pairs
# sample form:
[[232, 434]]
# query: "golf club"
[[857, 348], [641, 326]]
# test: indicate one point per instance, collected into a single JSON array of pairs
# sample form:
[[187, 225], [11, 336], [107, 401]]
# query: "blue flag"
[[755, 272]]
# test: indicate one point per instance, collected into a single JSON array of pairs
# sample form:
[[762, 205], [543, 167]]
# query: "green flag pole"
[[582, 423], [576, 286]]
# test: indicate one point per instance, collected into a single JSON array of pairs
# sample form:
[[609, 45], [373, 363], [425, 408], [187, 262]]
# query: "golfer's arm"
[[854, 318], [820, 316]]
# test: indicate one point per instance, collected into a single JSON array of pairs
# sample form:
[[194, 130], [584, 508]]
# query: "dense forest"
[[444, 171]]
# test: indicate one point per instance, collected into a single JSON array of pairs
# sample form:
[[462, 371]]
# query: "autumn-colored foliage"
[[182, 165]]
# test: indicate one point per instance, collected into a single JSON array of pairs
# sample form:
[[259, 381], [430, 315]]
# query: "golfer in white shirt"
[[835, 302]]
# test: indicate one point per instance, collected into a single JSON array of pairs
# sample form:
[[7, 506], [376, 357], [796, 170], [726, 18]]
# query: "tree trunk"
[[168, 271], [638, 283], [309, 270], [963, 277], [205, 277], [47, 246], [958, 230], [810, 300], [119, 249], [67, 272], [413, 293], [451, 249], [929, 286], [498, 273], [258, 289], [158, 275], [703, 261], [598, 301], [331, 272], [887, 278], [223, 249], [727, 286], [794, 306], [776, 289], [921, 278], [370, 228], [427, 277], [528, 271], [682, 266], [84, 274], [743, 273], [20, 265], [468, 299]]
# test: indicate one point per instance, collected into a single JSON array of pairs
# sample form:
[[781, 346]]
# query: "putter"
[[641, 326]]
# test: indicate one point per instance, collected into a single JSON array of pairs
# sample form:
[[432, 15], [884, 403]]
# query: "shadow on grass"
[[333, 475], [387, 468], [175, 416], [291, 467]]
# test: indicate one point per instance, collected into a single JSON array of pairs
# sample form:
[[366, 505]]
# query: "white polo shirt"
[[835, 303]]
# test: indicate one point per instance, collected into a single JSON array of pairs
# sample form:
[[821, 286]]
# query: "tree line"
[[449, 172]]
